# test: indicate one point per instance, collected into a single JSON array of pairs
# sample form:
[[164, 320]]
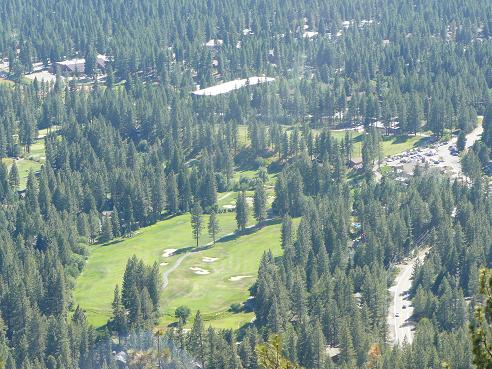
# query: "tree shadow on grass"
[[113, 242], [404, 138], [358, 138], [248, 231], [399, 139], [229, 237]]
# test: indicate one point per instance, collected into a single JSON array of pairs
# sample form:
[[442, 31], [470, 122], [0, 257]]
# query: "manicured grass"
[[251, 174], [106, 263], [214, 293]]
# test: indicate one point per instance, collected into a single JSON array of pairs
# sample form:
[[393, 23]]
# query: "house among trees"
[[387, 129], [72, 66], [77, 65], [214, 43]]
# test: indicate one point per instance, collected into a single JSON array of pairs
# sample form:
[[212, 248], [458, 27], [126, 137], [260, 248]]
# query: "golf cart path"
[[401, 309], [165, 275], [224, 196]]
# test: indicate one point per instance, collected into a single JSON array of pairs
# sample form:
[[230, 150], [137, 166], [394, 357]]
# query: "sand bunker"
[[207, 259], [164, 264], [239, 277], [199, 271], [168, 252]]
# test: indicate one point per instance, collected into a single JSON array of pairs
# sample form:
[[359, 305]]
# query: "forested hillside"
[[101, 136]]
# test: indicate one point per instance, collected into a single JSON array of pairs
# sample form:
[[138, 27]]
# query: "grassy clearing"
[[24, 166], [32, 160], [106, 263], [242, 135], [214, 293], [392, 145]]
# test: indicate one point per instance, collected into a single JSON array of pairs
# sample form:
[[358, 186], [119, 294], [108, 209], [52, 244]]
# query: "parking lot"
[[442, 155]]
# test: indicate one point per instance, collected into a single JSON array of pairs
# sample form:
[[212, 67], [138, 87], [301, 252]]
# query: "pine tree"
[[481, 329], [461, 142], [14, 180], [115, 223], [172, 194], [259, 202], [286, 233], [270, 355], [196, 221], [241, 212], [196, 342], [107, 230], [347, 352], [118, 322], [487, 126], [213, 225]]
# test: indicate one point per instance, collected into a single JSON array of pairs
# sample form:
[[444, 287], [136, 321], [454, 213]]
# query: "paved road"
[[401, 309], [453, 162]]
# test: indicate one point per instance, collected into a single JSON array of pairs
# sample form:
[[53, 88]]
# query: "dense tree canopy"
[[126, 150]]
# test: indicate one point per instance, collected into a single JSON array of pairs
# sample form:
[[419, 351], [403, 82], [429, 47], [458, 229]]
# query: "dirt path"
[[401, 309]]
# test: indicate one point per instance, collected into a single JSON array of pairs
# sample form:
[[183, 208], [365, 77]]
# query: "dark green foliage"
[[142, 147], [182, 313], [196, 221], [480, 329], [213, 225], [139, 295], [461, 142], [242, 212], [260, 202]]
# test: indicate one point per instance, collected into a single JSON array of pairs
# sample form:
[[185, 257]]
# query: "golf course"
[[210, 278]]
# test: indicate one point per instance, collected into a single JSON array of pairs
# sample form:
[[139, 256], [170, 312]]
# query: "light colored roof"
[[214, 42], [309, 34], [71, 62], [231, 86]]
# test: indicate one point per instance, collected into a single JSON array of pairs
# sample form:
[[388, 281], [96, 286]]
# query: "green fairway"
[[229, 269], [106, 263]]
